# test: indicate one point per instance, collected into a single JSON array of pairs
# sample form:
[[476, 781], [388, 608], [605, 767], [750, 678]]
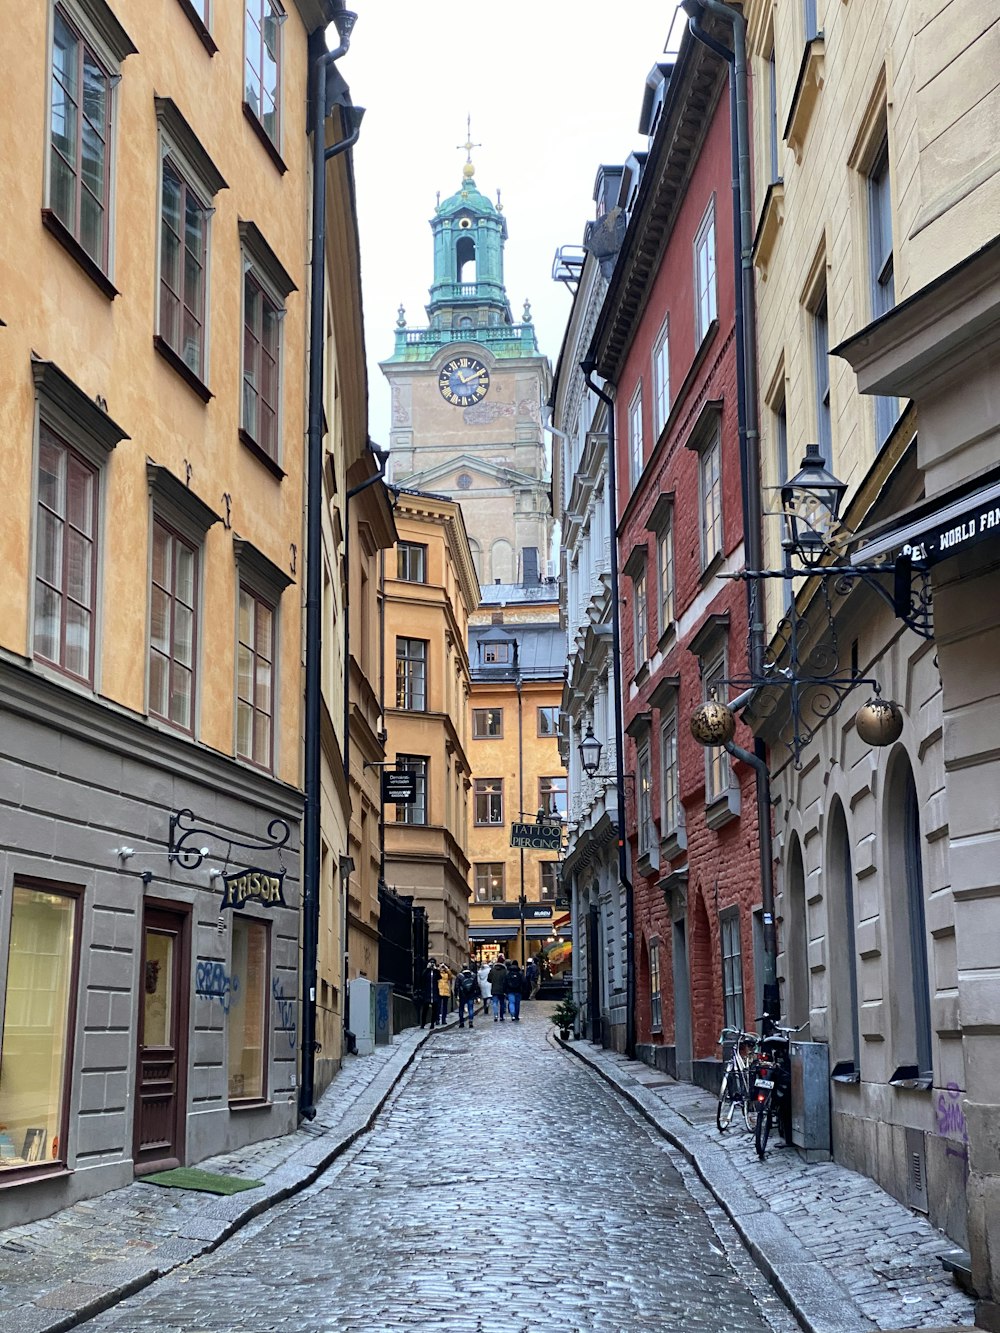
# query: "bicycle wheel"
[[749, 1104], [762, 1130], [726, 1107]]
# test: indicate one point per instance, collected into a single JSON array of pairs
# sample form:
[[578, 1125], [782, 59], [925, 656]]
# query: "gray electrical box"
[[810, 1062]]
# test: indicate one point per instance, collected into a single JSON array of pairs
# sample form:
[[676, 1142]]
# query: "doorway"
[[682, 1003], [161, 1058]]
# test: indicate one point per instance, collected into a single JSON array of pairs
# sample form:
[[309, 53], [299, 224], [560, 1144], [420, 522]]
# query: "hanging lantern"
[[713, 723], [879, 721]]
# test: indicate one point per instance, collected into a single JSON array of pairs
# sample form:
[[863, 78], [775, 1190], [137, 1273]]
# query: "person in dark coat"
[[427, 989], [498, 981], [513, 989], [467, 992], [533, 978]]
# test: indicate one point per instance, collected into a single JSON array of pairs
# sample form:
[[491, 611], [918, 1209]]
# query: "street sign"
[[398, 787], [540, 837]]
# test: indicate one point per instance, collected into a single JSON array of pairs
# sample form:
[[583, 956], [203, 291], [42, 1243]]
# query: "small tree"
[[565, 1014]]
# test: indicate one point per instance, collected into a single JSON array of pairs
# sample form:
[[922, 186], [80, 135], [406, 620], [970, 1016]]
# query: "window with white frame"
[[640, 620], [644, 785], [411, 674], [635, 437], [266, 287], [706, 294], [710, 496], [189, 181], [416, 811], [255, 678], [665, 575], [882, 276], [489, 881], [670, 799], [716, 758], [173, 626], [661, 378], [655, 998], [411, 562], [732, 969], [488, 801], [84, 72], [262, 57]]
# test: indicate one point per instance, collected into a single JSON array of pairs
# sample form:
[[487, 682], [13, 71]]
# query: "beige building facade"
[[429, 591], [876, 194], [152, 396]]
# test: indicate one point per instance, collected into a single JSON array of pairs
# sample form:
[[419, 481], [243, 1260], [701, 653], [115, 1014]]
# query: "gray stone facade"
[[79, 779]]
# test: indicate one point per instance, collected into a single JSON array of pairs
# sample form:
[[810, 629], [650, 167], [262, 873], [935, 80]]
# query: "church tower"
[[469, 393]]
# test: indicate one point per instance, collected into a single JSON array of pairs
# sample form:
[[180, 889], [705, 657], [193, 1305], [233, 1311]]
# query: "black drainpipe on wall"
[[588, 367], [749, 429], [345, 21]]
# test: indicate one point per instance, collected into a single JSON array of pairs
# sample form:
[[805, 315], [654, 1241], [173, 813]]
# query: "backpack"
[[514, 982], [466, 986]]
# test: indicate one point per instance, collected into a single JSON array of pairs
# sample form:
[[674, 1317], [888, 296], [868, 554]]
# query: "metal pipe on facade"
[[314, 555], [749, 429], [588, 367]]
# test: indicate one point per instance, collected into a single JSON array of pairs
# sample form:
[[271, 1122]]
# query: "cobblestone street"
[[504, 1187]]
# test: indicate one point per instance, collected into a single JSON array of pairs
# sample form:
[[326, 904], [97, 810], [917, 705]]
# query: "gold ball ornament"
[[879, 722], [713, 723]]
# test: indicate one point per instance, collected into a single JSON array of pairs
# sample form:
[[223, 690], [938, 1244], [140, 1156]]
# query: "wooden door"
[[161, 1064]]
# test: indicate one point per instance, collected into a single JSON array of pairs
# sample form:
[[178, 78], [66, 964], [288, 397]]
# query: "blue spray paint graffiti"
[[286, 1010], [382, 1007], [951, 1120], [213, 982]]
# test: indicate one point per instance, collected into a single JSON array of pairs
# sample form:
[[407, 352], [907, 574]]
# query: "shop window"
[[247, 1021], [38, 1022]]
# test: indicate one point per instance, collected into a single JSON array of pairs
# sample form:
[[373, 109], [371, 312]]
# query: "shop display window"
[[36, 1027], [248, 1011]]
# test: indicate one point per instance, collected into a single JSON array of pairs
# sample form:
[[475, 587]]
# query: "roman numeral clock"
[[464, 380]]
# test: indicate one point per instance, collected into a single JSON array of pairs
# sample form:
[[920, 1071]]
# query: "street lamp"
[[590, 752], [810, 505]]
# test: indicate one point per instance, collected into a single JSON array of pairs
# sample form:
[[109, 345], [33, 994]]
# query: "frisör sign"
[[253, 886], [398, 788], [540, 837]]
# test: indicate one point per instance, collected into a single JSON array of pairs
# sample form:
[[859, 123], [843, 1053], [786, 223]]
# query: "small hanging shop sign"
[[253, 886]]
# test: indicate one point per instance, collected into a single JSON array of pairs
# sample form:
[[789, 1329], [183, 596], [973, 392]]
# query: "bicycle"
[[737, 1086], [772, 1084]]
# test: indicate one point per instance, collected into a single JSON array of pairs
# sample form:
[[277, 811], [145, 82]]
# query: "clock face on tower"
[[464, 380]]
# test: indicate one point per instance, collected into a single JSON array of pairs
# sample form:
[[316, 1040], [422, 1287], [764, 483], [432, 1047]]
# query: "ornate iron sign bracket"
[[184, 832]]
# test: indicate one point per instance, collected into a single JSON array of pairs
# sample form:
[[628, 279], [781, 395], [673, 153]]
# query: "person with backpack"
[[532, 979], [467, 991], [498, 982], [513, 989]]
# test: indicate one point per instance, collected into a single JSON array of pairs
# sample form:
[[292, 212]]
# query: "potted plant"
[[564, 1015]]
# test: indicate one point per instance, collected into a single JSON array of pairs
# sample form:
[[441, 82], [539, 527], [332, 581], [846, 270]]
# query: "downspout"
[[749, 430], [588, 367], [314, 558]]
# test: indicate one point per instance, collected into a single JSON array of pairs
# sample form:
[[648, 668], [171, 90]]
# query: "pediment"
[[482, 472]]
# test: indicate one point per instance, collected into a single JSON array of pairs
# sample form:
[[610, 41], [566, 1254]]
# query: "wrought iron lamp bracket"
[[183, 829]]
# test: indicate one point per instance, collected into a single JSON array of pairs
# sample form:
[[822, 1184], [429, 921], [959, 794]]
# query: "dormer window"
[[498, 653]]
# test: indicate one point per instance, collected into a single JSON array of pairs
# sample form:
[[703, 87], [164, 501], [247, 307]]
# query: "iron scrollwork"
[[184, 833]]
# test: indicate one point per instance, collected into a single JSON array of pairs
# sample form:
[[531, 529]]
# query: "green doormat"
[[190, 1178]]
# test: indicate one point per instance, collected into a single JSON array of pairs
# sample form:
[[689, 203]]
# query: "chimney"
[[496, 618]]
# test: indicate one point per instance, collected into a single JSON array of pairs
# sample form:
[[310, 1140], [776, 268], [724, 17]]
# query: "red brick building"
[[666, 339]]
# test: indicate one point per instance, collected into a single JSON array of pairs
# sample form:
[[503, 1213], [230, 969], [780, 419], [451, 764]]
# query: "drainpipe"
[[749, 431], [314, 551], [588, 367]]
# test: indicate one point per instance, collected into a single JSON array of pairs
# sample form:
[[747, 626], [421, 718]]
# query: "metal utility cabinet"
[[810, 1061]]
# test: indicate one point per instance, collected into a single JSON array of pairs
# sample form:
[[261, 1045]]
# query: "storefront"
[[148, 950]]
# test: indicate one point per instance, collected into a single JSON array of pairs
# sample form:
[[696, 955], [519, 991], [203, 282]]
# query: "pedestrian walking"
[[444, 985], [532, 978], [483, 975], [468, 992], [513, 989], [427, 992], [498, 983]]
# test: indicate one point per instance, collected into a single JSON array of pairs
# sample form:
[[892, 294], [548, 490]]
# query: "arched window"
[[502, 562], [465, 255], [909, 973], [795, 937], [842, 951], [477, 557]]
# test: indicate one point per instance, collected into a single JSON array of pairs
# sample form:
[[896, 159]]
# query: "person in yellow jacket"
[[446, 980]]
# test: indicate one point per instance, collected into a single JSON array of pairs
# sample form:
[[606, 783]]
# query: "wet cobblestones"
[[504, 1188]]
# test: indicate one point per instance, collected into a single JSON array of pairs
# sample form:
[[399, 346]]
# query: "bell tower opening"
[[465, 257]]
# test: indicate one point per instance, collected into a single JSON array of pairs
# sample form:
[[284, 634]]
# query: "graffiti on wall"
[[214, 983], [951, 1121], [286, 1009]]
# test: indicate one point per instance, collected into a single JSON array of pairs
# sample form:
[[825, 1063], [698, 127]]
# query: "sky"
[[554, 88]]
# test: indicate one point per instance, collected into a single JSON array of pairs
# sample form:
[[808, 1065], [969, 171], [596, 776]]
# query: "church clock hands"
[[464, 380]]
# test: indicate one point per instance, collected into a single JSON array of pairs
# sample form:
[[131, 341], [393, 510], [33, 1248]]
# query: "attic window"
[[495, 654]]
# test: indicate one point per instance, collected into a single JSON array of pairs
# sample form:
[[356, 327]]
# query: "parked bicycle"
[[737, 1084], [772, 1084]]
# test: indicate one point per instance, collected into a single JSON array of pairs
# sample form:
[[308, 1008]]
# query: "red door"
[[161, 1066]]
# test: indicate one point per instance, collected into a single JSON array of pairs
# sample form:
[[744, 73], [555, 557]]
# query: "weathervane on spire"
[[468, 145]]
